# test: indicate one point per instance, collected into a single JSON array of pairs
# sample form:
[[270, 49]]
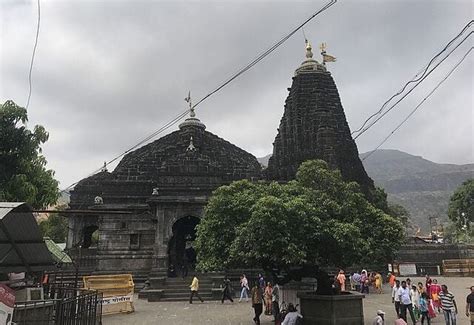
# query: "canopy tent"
[[57, 252], [22, 247]]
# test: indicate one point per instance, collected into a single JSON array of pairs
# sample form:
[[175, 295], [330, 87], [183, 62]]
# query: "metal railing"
[[63, 306]]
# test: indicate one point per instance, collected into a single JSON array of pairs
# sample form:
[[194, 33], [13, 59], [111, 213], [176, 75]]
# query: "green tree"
[[55, 227], [399, 211], [23, 173], [318, 219], [461, 213]]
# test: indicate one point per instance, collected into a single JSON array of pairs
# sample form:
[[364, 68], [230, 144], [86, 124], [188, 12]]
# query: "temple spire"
[[192, 120], [309, 52]]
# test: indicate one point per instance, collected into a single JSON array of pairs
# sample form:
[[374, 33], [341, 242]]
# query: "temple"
[[141, 217], [314, 126]]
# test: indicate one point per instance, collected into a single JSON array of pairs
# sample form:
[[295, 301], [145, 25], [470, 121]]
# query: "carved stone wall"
[[314, 126]]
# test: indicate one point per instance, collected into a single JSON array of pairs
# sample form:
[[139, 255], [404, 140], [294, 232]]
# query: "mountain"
[[423, 187]]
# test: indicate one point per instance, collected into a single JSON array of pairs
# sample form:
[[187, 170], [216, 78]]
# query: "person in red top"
[[435, 289]]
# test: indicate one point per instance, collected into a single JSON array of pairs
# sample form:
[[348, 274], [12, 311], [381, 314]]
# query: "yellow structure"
[[117, 292]]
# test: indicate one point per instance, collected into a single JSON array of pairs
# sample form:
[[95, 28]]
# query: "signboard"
[[7, 302], [407, 269], [116, 300]]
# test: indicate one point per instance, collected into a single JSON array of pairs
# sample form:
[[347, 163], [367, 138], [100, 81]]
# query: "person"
[[184, 270], [256, 295], [420, 288], [341, 277], [364, 282], [244, 287], [378, 282], [428, 284], [276, 302], [227, 290], [396, 298], [379, 319], [194, 290], [448, 304], [172, 271], [400, 321], [423, 306], [391, 279], [470, 305], [268, 299], [356, 279], [405, 302], [415, 301], [435, 290], [408, 280], [336, 286], [292, 316]]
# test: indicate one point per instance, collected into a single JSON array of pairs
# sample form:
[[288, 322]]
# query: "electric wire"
[[417, 77], [411, 89], [265, 53], [33, 55], [225, 83], [419, 104]]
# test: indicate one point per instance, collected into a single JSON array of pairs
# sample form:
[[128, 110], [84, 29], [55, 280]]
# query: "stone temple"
[[141, 217]]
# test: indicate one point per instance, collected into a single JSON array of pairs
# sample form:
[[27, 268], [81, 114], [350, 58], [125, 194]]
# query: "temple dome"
[[190, 151]]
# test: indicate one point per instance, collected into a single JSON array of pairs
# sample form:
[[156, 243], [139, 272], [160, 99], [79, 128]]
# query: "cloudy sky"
[[108, 73]]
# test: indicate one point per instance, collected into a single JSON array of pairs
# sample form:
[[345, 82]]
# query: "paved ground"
[[212, 312]]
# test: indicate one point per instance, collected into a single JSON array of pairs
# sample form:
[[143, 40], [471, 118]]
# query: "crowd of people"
[[265, 297], [420, 302], [425, 301]]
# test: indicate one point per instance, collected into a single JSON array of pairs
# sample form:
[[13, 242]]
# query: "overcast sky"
[[108, 73]]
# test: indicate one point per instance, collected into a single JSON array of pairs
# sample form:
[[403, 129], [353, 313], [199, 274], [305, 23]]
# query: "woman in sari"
[[378, 282], [268, 299], [435, 289]]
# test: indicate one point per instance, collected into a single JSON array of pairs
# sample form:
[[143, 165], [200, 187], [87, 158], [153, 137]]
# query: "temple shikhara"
[[141, 217]]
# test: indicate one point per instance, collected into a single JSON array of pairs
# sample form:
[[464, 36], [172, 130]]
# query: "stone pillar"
[[160, 256]]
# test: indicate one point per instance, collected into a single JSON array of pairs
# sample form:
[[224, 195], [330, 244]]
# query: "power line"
[[33, 54], [266, 53], [416, 77], [416, 85], [225, 83], [418, 106]]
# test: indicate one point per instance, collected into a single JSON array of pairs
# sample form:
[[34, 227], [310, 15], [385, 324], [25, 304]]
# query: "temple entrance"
[[181, 253]]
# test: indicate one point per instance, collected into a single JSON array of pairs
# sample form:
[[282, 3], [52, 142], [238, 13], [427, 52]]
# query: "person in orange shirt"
[[391, 279], [342, 280]]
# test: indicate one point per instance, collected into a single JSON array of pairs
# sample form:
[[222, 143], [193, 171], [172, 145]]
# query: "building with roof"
[[146, 210]]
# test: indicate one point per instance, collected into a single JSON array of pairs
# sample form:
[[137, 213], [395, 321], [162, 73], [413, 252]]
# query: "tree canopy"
[[461, 213], [317, 219], [23, 173]]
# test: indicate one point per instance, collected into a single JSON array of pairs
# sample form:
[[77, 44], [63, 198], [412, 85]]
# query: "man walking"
[[405, 303], [396, 298], [448, 304], [194, 290], [470, 305], [257, 302]]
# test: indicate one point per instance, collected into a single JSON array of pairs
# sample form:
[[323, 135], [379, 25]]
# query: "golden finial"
[[309, 53]]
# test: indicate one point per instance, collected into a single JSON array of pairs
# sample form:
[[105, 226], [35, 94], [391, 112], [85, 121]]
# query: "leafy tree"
[[23, 173], [317, 219], [399, 211], [461, 213], [55, 227]]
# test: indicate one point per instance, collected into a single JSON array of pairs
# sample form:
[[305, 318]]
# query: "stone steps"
[[177, 289]]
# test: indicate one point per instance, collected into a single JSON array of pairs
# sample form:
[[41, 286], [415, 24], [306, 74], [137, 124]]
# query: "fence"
[[64, 306]]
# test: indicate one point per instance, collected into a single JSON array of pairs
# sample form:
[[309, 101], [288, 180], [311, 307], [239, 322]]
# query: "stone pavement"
[[215, 313]]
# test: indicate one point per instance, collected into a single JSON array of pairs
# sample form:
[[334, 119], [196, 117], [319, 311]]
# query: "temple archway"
[[181, 252], [90, 236]]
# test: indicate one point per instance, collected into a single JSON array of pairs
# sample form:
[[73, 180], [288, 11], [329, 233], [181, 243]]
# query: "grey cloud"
[[108, 73]]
